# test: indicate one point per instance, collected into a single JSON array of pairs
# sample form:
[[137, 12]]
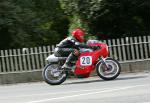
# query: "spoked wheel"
[[53, 74], [109, 72]]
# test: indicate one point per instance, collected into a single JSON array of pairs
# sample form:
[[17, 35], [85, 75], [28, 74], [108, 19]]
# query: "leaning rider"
[[69, 47]]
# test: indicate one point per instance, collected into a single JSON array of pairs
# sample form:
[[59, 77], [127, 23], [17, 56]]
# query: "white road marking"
[[85, 94], [66, 92], [146, 102]]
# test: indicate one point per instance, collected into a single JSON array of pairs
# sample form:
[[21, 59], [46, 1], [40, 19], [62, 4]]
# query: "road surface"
[[127, 88]]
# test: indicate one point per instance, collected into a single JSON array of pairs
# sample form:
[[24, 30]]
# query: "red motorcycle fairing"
[[88, 60]]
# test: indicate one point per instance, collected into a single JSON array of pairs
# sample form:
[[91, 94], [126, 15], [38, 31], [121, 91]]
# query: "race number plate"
[[86, 60]]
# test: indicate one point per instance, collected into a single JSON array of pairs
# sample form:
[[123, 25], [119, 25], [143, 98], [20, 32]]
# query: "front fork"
[[106, 67]]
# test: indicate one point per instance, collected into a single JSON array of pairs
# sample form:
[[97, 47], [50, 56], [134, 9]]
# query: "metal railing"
[[29, 59]]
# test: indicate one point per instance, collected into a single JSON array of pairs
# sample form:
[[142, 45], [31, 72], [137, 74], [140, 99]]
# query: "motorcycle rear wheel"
[[53, 75], [111, 72]]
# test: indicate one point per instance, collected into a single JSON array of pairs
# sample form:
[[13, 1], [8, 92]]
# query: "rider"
[[69, 47]]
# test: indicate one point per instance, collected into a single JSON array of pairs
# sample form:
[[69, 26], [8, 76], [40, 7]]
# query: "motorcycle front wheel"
[[53, 75], [110, 72]]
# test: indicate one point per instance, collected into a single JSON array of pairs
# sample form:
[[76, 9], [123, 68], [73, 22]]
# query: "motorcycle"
[[106, 68]]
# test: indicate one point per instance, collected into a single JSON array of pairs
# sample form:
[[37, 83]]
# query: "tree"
[[54, 22], [71, 8], [110, 18], [8, 24], [26, 23]]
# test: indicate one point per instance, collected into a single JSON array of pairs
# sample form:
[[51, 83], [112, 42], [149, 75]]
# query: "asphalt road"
[[127, 88]]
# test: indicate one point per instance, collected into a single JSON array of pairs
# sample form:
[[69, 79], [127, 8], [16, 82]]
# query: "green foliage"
[[76, 20], [119, 18], [111, 18], [26, 23], [10, 17]]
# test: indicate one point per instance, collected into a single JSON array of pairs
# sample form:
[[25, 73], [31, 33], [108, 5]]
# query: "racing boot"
[[69, 62]]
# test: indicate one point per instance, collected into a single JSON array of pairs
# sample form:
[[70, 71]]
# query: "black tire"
[[48, 78], [100, 69]]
